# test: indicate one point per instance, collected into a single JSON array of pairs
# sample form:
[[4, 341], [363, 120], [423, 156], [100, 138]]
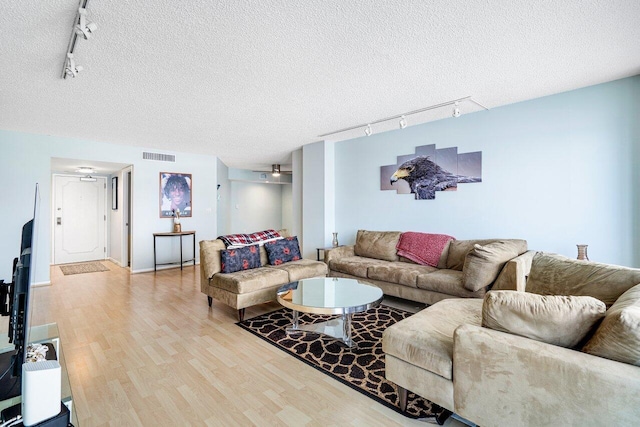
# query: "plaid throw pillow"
[[240, 259], [283, 250]]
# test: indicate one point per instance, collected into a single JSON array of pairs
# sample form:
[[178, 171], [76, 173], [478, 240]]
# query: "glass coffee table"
[[329, 295]]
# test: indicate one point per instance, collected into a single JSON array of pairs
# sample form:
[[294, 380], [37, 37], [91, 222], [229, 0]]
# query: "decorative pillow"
[[284, 250], [483, 263], [553, 274], [458, 250], [618, 337], [559, 320], [238, 259], [377, 244]]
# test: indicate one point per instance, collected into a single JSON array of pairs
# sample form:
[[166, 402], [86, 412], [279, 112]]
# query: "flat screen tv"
[[20, 307]]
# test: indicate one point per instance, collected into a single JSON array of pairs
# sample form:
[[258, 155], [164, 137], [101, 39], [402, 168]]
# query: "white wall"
[[224, 199], [26, 160], [557, 171], [287, 207], [255, 207]]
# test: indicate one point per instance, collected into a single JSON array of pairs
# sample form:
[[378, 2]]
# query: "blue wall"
[[557, 171]]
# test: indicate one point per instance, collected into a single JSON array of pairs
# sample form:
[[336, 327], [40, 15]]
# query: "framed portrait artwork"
[[175, 194], [114, 193]]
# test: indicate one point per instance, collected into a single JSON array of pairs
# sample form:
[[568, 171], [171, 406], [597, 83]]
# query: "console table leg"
[[210, 301]]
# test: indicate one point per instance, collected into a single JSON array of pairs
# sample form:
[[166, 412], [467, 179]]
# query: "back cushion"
[[553, 274], [458, 250], [483, 263], [377, 244], [618, 336]]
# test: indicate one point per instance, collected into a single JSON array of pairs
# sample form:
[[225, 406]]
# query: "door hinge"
[[105, 249], [105, 217]]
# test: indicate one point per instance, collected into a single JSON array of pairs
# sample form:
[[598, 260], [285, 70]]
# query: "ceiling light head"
[[70, 67], [85, 28], [368, 131], [275, 170], [456, 110], [85, 169], [403, 122]]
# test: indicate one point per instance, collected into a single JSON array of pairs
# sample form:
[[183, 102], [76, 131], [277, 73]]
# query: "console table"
[[180, 236]]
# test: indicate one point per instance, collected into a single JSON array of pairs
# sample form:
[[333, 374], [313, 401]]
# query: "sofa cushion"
[[483, 263], [618, 336], [403, 273], [447, 282], [303, 269], [426, 338], [246, 281], [244, 258], [377, 244], [284, 250], [553, 274], [458, 250], [559, 320], [354, 265]]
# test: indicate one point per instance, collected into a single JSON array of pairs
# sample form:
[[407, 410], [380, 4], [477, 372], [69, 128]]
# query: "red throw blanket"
[[423, 248]]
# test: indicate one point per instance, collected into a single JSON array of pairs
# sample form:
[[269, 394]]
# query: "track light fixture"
[[403, 122], [368, 130], [84, 28], [275, 170], [456, 110], [403, 119], [70, 67]]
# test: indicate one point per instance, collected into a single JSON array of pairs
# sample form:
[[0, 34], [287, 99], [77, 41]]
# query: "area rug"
[[85, 267], [362, 368]]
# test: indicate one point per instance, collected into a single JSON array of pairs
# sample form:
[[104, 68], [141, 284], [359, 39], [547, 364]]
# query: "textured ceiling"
[[250, 81]]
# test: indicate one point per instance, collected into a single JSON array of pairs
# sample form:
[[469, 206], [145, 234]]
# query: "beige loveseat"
[[489, 265], [245, 288], [507, 360]]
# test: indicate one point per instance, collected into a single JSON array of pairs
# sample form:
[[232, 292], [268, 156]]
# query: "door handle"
[[59, 220]]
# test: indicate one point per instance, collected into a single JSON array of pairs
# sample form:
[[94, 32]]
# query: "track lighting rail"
[[402, 116]]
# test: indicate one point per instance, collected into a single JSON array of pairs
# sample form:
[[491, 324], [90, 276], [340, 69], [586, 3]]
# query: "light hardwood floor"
[[145, 349]]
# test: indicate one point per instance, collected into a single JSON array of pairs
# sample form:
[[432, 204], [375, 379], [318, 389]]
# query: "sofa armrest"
[[513, 276], [504, 379], [339, 252]]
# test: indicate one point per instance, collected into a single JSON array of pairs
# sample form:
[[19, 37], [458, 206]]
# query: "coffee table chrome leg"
[[346, 330], [339, 328]]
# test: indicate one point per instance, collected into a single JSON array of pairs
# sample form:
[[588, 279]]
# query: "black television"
[[20, 307]]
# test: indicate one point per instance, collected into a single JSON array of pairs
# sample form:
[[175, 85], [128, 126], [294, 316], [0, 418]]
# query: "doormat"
[[361, 369], [85, 267]]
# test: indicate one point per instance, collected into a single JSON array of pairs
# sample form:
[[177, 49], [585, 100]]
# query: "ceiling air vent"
[[159, 157]]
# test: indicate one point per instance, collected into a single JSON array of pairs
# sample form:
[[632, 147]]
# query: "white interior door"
[[79, 219]]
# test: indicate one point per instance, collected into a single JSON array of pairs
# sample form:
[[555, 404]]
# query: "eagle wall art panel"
[[430, 170]]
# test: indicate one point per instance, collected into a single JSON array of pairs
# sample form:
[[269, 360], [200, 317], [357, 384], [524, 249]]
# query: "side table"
[[180, 235], [324, 249]]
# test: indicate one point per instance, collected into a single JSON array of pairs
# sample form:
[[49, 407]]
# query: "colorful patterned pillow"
[[283, 250], [240, 259]]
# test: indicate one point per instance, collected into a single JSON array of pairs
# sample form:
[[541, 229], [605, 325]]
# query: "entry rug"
[[362, 368], [85, 267]]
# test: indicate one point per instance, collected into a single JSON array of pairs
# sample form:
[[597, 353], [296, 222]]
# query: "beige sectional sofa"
[[373, 257], [511, 359], [245, 288]]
